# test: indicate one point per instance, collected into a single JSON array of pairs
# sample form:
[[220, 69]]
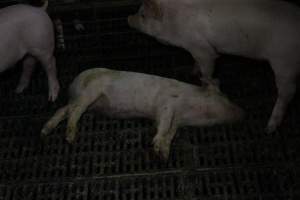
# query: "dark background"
[[113, 159]]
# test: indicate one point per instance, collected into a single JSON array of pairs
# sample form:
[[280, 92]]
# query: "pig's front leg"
[[286, 85], [28, 67], [205, 63], [167, 126]]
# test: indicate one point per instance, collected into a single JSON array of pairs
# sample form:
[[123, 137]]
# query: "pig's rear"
[[24, 30]]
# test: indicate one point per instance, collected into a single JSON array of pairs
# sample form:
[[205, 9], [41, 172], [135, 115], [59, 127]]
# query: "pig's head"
[[149, 18], [210, 107]]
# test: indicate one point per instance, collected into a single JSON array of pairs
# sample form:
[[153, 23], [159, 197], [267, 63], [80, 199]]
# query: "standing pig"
[[260, 29], [27, 33], [127, 94]]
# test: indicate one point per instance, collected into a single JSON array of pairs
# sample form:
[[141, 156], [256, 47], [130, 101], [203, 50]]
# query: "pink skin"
[[206, 28], [29, 35], [128, 94]]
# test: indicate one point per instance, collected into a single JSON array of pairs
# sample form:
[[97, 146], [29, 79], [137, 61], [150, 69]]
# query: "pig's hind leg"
[[28, 67], [49, 63], [73, 112], [60, 115], [167, 126], [286, 86], [76, 109]]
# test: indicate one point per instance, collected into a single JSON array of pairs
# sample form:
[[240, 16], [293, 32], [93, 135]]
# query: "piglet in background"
[[27, 33], [77, 24], [128, 94], [259, 29], [60, 38]]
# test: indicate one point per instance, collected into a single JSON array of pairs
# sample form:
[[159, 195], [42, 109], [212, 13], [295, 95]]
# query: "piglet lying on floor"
[[27, 33], [128, 94]]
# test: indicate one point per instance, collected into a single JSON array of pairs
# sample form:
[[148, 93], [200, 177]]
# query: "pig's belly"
[[240, 43], [8, 60], [10, 53], [122, 107]]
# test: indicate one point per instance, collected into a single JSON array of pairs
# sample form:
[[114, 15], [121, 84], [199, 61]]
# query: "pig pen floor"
[[113, 159]]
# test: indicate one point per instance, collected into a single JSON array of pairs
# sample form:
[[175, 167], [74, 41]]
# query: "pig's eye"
[[142, 15]]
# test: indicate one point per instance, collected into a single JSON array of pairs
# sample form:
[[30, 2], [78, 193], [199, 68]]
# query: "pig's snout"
[[224, 109]]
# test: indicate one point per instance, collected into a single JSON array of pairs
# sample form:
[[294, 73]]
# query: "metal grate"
[[268, 183], [113, 159]]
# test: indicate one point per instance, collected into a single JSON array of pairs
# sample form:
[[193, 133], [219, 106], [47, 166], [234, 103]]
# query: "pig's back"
[[149, 85], [142, 95], [129, 94], [20, 13], [249, 27], [126, 79]]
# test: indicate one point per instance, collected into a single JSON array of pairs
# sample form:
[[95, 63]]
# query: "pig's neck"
[[172, 31], [190, 112], [170, 36]]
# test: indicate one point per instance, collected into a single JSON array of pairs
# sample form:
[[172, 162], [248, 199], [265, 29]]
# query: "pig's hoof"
[[71, 134], [20, 89], [270, 129], [53, 93], [215, 83], [161, 147], [45, 131], [70, 139]]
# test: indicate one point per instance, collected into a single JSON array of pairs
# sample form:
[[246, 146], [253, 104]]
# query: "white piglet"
[[128, 94], [27, 33], [260, 29]]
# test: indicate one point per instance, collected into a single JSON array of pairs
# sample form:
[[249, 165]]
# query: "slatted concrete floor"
[[113, 159]]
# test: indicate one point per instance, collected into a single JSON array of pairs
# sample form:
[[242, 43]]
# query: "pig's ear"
[[152, 8]]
